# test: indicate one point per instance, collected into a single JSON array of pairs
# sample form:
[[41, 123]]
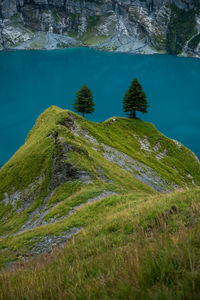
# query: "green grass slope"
[[72, 174], [133, 247]]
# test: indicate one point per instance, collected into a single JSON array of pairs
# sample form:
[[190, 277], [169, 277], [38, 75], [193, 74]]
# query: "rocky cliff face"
[[137, 26]]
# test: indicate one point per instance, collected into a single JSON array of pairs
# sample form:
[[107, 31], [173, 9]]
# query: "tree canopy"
[[135, 100], [84, 101]]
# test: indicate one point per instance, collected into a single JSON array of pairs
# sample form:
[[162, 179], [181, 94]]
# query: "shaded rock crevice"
[[62, 169]]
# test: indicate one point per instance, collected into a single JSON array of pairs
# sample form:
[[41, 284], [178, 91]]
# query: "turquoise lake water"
[[31, 81]]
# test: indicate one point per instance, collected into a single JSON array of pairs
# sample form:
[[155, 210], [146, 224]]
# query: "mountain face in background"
[[136, 26]]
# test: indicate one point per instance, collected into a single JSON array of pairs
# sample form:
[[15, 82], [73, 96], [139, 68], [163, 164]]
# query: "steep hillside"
[[132, 246], [48, 187], [140, 26]]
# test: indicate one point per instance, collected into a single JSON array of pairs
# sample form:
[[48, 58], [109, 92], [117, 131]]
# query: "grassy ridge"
[[138, 248], [130, 244], [31, 167], [35, 156]]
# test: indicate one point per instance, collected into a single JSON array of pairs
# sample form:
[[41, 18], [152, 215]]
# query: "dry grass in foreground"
[[145, 251]]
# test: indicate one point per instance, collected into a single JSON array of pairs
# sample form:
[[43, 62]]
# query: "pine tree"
[[84, 101], [135, 100]]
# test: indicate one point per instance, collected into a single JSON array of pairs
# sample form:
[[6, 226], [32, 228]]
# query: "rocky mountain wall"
[[136, 26]]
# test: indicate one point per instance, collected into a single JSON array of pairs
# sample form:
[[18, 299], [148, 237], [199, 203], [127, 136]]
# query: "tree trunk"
[[134, 114], [83, 114]]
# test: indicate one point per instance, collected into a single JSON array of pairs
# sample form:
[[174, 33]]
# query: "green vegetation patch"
[[92, 21], [181, 28], [64, 191], [33, 159], [75, 199], [194, 42], [92, 38], [38, 42], [159, 41], [55, 16]]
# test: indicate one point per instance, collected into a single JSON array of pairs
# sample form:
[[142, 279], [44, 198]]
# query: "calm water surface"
[[31, 81]]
